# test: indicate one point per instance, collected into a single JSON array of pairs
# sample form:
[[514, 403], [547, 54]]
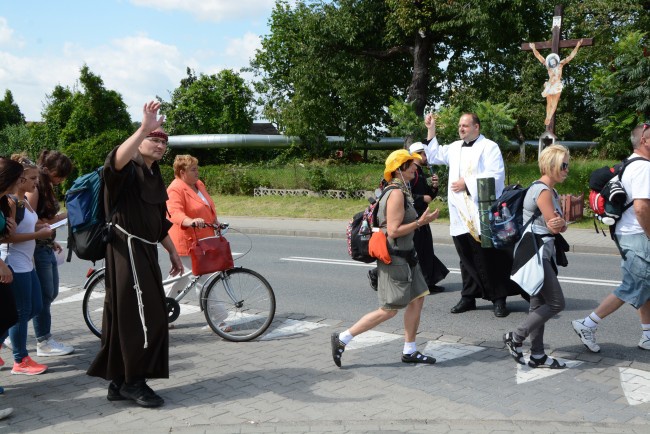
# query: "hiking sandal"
[[514, 348], [337, 348], [546, 362], [418, 357]]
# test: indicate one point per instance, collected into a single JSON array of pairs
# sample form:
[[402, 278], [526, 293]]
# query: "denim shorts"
[[635, 287]]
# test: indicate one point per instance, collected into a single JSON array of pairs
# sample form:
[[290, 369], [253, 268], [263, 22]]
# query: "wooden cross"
[[555, 44]]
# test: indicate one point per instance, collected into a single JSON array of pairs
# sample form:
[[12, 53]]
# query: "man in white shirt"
[[633, 236], [485, 272]]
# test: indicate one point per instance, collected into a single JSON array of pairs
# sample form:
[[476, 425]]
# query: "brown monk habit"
[[141, 212]]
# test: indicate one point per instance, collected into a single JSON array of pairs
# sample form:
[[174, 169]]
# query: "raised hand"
[[150, 119]]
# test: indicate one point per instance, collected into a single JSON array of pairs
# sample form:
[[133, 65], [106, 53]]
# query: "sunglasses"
[[564, 166]]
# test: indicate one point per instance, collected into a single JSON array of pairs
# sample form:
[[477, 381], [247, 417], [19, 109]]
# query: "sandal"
[[514, 348], [418, 357], [546, 362], [337, 349]]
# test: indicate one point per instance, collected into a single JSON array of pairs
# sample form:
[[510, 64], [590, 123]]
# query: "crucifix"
[[553, 87]]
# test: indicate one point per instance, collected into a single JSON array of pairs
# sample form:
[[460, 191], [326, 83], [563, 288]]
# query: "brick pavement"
[[288, 383]]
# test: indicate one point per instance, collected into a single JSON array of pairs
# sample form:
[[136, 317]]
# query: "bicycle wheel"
[[93, 304], [239, 305]]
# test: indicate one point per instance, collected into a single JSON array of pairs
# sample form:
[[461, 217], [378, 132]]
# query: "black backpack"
[[359, 228], [508, 229], [607, 196], [89, 229]]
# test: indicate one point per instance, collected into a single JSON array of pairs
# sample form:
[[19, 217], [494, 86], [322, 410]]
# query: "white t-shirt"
[[20, 256], [636, 182]]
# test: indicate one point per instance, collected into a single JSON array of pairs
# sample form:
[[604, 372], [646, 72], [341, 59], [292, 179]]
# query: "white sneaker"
[[587, 335], [51, 347], [644, 343], [6, 412]]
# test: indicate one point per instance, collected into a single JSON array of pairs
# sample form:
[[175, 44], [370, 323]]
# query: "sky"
[[140, 48]]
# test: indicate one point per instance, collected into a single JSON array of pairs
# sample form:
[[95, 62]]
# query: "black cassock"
[[432, 267]]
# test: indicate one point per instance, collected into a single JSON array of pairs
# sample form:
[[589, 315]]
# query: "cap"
[[395, 160], [159, 133], [416, 148]]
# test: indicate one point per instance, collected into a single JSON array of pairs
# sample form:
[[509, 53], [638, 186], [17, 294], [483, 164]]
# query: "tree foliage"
[[85, 122], [333, 67], [210, 104], [622, 92], [10, 113]]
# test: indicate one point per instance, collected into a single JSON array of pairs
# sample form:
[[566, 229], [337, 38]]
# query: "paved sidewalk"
[[287, 382]]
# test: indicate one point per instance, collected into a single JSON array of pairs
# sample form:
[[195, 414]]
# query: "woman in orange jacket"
[[189, 204]]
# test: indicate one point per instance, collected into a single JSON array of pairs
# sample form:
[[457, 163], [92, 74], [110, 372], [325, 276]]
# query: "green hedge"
[[241, 179]]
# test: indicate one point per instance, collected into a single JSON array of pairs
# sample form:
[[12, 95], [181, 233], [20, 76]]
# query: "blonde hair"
[[184, 162], [551, 158], [24, 160]]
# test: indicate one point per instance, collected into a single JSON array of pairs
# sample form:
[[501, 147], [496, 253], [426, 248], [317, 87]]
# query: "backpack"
[[359, 229], [507, 215], [606, 195], [88, 227]]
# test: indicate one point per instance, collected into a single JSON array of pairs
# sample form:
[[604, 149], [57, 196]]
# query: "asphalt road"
[[315, 276]]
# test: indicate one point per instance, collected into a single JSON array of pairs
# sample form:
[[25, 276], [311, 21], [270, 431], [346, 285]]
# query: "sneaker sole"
[[63, 353], [28, 373]]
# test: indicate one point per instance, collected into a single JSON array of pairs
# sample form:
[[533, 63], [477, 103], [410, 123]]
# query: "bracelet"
[[417, 223]]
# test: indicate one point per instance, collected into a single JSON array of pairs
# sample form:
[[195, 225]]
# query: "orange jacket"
[[184, 202]]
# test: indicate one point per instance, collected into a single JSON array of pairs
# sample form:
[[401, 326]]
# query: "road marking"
[[290, 327], [636, 385], [575, 280], [526, 374], [444, 351], [371, 338]]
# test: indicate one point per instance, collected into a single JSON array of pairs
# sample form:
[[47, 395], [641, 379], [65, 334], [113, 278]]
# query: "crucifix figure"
[[553, 87]]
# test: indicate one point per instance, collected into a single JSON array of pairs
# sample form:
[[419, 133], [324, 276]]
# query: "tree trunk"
[[418, 90]]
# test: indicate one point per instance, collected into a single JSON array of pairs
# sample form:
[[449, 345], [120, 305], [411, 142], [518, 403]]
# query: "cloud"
[[137, 67], [240, 51], [213, 10], [7, 38]]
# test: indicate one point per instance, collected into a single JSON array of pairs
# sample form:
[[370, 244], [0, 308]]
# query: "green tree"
[[622, 93], [10, 113], [210, 104], [331, 68], [85, 122]]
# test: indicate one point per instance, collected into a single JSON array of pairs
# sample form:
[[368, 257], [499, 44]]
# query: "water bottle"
[[365, 230], [509, 225], [500, 233]]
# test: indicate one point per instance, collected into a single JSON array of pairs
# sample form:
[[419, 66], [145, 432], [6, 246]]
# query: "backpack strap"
[[375, 210], [19, 214]]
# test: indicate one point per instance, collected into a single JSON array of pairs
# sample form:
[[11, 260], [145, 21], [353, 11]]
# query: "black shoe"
[[141, 394], [464, 305], [114, 391], [500, 310], [436, 289], [373, 278], [418, 357], [337, 348]]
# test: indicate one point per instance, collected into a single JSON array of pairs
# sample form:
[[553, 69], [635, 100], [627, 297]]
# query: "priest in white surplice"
[[485, 272]]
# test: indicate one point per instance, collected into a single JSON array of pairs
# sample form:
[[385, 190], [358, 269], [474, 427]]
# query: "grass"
[[314, 208]]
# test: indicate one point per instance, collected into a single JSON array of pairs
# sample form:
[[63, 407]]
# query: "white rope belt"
[[136, 281]]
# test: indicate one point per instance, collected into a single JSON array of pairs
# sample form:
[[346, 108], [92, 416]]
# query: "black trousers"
[[485, 272], [432, 267]]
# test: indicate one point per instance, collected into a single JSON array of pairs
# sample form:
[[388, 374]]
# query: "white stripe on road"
[[636, 385], [576, 280]]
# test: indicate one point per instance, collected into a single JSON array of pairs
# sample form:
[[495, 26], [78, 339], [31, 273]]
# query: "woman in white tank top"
[[18, 254]]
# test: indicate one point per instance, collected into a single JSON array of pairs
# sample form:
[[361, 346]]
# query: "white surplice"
[[482, 160]]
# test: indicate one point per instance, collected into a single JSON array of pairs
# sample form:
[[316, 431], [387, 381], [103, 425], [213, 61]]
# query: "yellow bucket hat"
[[395, 160]]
